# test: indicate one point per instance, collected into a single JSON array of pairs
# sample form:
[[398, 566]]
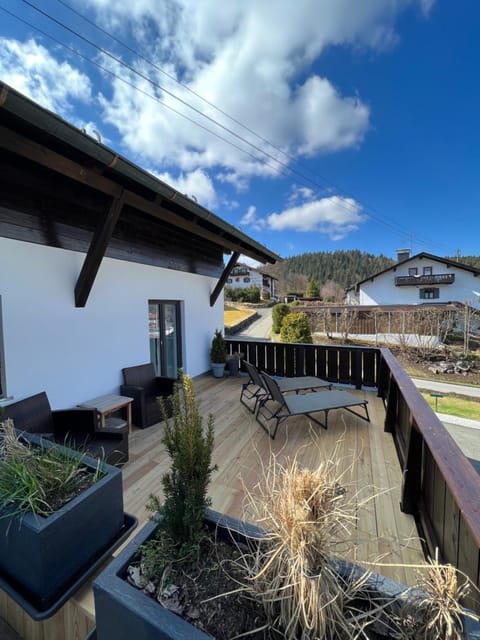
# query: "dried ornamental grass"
[[433, 611], [306, 514]]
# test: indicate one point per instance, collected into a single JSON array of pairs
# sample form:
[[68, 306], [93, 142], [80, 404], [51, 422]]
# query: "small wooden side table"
[[108, 404]]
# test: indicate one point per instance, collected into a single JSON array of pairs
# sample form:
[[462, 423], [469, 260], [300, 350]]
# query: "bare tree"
[[295, 282], [322, 321], [348, 317], [332, 292]]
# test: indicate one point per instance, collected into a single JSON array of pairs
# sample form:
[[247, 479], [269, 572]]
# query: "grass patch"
[[40, 479], [233, 315], [454, 405]]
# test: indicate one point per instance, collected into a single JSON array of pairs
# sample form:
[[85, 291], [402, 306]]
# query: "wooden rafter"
[[96, 251], [223, 278]]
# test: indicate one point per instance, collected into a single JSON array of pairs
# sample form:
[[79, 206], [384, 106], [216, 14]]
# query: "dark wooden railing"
[[357, 366], [439, 278], [440, 486]]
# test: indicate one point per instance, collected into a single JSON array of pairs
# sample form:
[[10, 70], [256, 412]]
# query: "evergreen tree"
[[313, 290]]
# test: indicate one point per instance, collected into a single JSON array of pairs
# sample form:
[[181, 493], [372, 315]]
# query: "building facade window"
[[412, 271], [430, 294], [164, 329], [427, 271], [3, 384], [246, 279]]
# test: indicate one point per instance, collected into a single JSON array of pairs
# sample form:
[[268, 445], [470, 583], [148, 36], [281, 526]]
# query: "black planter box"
[[40, 556], [123, 612]]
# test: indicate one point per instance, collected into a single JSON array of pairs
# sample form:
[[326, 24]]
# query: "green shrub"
[[296, 328], [246, 294], [218, 350], [279, 311], [189, 446]]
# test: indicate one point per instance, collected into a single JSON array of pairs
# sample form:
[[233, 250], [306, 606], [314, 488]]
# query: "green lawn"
[[233, 315], [454, 405]]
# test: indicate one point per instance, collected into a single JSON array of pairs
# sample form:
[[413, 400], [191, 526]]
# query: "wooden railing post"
[[391, 412], [412, 473]]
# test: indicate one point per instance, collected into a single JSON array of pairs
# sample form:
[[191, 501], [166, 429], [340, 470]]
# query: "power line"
[[281, 167], [367, 211]]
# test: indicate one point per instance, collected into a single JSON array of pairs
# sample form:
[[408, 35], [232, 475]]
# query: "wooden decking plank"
[[366, 456]]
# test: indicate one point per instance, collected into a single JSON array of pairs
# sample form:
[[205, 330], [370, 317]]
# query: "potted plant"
[[60, 513], [290, 569], [233, 362], [218, 354]]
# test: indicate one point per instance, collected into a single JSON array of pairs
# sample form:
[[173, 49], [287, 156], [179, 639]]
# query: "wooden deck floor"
[[365, 454]]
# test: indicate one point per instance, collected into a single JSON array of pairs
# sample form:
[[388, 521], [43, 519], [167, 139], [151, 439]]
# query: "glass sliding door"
[[165, 336]]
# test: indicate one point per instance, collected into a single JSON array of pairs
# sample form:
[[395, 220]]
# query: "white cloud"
[[253, 60], [250, 219], [426, 6], [31, 69], [196, 185], [334, 216]]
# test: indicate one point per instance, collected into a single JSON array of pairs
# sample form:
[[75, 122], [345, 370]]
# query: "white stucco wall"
[[77, 353], [382, 289], [256, 280]]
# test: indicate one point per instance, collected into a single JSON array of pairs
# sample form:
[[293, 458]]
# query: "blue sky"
[[359, 118]]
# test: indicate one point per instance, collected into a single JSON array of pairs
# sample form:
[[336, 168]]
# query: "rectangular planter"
[[123, 612], [40, 556]]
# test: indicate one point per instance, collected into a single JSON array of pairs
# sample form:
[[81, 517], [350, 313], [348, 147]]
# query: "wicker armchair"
[[75, 428], [145, 387]]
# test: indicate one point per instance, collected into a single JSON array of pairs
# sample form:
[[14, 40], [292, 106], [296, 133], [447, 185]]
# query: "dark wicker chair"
[[76, 428], [145, 387]]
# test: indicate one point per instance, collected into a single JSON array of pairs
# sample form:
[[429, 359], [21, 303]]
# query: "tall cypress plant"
[[189, 445]]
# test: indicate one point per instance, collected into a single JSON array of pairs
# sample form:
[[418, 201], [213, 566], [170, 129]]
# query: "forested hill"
[[473, 261], [344, 267]]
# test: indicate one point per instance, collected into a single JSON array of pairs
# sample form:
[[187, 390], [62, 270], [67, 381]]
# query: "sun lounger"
[[285, 406], [256, 390]]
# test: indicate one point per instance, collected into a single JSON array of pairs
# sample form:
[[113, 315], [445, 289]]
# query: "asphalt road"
[[260, 329]]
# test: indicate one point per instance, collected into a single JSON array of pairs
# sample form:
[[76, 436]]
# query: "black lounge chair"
[[285, 406], [256, 390]]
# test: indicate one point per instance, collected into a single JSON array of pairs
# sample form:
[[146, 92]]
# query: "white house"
[[102, 265], [422, 278], [242, 276]]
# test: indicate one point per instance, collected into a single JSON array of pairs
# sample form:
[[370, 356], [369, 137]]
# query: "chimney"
[[403, 254]]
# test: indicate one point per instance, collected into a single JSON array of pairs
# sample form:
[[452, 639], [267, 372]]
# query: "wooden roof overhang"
[[42, 138]]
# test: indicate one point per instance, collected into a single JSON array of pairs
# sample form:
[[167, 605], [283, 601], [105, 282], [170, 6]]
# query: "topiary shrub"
[[218, 350], [279, 311], [296, 328], [189, 445]]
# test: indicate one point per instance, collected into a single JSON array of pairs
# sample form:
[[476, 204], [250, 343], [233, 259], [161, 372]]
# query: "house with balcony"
[[419, 279], [243, 276]]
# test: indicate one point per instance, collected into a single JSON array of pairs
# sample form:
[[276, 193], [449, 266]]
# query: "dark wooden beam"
[[223, 278], [97, 249]]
